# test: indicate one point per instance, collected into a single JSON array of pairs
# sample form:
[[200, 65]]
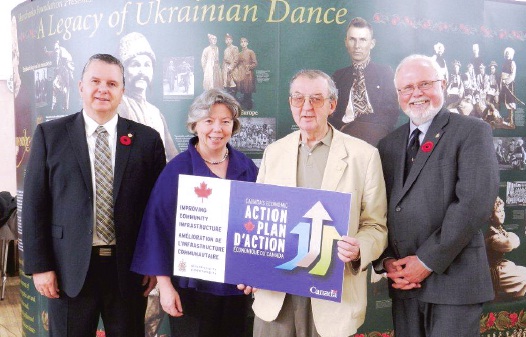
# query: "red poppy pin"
[[126, 140], [427, 146]]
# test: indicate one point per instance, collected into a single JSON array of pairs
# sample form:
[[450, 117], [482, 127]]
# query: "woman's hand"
[[169, 297], [247, 289]]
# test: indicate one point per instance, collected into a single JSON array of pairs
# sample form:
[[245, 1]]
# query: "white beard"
[[419, 118]]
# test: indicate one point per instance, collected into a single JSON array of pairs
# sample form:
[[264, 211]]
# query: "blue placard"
[[270, 237]]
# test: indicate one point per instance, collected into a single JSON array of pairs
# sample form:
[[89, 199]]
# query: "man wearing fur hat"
[[230, 60], [439, 57], [492, 96], [507, 84], [138, 59], [212, 77]]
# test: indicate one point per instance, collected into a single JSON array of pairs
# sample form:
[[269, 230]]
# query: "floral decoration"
[[376, 334], [440, 26], [502, 321]]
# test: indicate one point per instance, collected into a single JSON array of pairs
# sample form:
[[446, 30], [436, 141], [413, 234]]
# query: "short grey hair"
[[417, 57], [314, 74], [202, 104]]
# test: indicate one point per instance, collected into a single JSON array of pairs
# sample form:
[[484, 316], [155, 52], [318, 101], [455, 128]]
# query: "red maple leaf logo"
[[249, 226], [203, 191]]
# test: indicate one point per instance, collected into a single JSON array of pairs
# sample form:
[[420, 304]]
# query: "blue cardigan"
[[154, 252]]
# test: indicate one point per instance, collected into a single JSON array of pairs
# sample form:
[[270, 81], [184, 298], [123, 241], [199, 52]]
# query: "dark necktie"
[[104, 187], [412, 150]]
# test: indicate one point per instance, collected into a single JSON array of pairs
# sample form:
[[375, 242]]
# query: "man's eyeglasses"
[[423, 86], [316, 101]]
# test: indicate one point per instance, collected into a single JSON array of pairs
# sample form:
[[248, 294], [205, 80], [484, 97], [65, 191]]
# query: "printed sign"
[[270, 237]]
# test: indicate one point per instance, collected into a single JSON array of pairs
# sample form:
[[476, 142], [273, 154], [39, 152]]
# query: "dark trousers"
[[208, 315], [414, 318], [78, 316]]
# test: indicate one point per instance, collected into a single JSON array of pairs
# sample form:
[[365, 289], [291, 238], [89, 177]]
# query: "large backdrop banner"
[[172, 50]]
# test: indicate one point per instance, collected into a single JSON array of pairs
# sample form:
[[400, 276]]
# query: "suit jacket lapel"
[[335, 163], [398, 164], [350, 81], [433, 135], [122, 153], [77, 136], [290, 160]]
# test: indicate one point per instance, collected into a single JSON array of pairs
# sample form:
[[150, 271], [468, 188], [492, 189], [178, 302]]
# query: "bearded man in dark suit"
[[88, 179], [442, 179]]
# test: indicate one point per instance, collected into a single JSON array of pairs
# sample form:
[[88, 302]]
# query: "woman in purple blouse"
[[197, 308]]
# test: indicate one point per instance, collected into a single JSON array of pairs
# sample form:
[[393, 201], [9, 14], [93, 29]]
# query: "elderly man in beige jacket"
[[320, 157]]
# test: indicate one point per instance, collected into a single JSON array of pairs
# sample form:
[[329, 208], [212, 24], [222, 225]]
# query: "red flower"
[[491, 320], [125, 140], [427, 146], [426, 24], [514, 318]]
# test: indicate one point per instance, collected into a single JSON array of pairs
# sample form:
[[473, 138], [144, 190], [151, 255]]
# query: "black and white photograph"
[[510, 152], [255, 135], [516, 193]]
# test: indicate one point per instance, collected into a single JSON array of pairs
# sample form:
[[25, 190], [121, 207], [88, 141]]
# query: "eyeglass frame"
[[297, 96], [418, 85]]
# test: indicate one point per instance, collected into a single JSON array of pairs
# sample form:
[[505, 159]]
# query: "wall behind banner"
[[55, 38]]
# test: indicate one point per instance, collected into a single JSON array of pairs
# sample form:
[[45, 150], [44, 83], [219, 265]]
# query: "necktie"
[[360, 102], [104, 187], [412, 150]]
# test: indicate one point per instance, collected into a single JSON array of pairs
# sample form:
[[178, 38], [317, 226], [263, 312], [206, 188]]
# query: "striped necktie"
[[104, 187]]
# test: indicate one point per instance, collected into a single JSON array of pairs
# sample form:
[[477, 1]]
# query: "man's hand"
[[149, 280], [410, 269], [169, 297], [393, 272], [348, 249], [46, 284]]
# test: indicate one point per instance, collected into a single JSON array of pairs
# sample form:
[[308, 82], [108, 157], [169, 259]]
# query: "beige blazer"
[[353, 166]]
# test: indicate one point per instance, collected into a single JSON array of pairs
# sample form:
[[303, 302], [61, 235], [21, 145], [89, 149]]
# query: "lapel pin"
[[437, 135], [427, 146], [126, 140]]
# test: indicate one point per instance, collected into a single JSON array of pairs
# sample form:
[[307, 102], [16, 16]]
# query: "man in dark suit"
[[440, 196], [367, 107], [80, 226]]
